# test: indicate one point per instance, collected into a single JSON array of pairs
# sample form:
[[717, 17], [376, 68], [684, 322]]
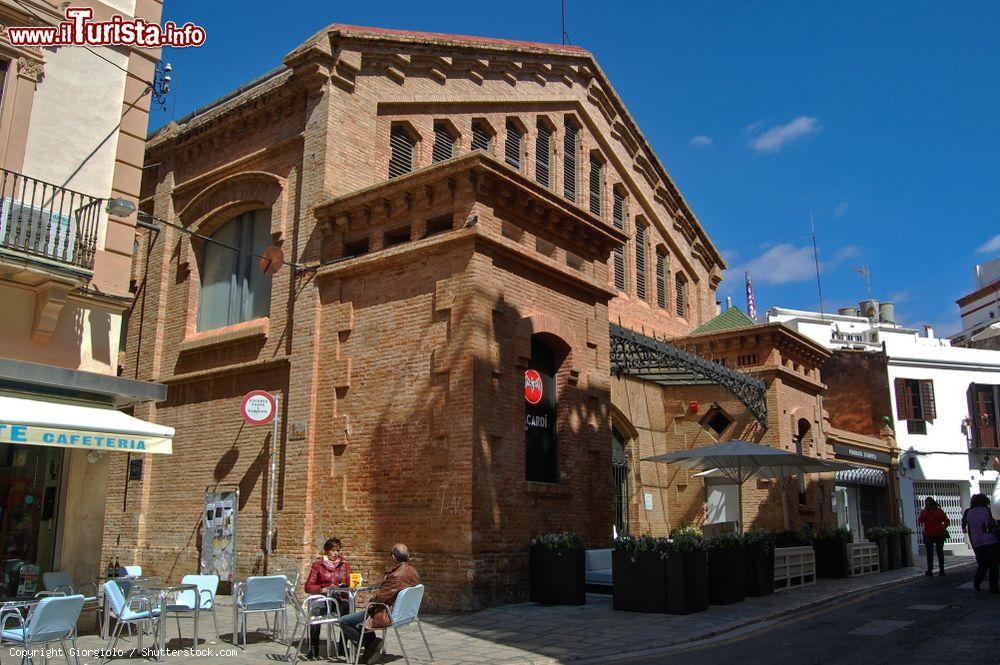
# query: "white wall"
[[73, 133]]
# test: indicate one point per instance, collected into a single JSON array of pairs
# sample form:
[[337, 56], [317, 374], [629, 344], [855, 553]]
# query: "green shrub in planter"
[[639, 574], [557, 569], [792, 539], [726, 569], [880, 537], [829, 544], [687, 571], [905, 546], [759, 551]]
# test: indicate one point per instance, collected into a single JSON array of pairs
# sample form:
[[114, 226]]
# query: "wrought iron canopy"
[[652, 359]]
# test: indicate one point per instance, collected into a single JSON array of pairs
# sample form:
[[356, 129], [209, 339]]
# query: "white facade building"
[[935, 390], [980, 309]]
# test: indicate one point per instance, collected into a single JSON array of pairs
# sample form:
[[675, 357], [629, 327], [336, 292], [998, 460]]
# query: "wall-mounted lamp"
[[120, 207]]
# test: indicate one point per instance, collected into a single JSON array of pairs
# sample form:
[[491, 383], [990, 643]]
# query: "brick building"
[[462, 217]]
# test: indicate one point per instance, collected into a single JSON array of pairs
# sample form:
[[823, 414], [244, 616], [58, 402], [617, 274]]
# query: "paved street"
[[528, 633], [926, 621]]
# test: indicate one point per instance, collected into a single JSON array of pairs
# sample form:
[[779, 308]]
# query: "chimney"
[[928, 331], [848, 311], [887, 312]]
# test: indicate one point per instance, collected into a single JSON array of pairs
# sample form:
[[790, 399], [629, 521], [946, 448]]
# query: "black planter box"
[[727, 570], [883, 551], [831, 559], [759, 570], [557, 577], [639, 581], [905, 550], [687, 582], [895, 556]]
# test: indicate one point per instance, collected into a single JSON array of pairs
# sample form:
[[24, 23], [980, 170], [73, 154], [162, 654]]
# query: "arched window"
[[402, 147], [233, 288]]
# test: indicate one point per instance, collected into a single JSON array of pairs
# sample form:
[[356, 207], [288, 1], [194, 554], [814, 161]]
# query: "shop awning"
[[863, 475], [71, 425]]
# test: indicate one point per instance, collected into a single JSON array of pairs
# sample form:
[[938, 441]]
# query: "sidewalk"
[[529, 633]]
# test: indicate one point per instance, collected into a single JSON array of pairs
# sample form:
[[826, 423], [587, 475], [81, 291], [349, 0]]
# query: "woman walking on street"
[[981, 527], [935, 533]]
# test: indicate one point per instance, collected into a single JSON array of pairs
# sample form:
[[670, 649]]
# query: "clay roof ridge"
[[419, 36]]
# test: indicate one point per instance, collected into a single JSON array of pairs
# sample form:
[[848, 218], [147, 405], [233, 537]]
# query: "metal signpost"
[[260, 408]]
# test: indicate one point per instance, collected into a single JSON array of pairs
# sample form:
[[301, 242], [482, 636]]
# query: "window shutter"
[[444, 143], [543, 149], [618, 212], [927, 400], [974, 414], [640, 260], [401, 159], [904, 410], [512, 148], [596, 177], [619, 267], [680, 295], [661, 280], [480, 137], [570, 139]]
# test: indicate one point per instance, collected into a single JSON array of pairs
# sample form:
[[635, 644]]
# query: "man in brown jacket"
[[402, 576]]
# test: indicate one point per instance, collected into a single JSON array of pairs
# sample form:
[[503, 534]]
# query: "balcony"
[[46, 227]]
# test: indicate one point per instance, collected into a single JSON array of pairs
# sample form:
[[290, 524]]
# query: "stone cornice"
[[567, 220]]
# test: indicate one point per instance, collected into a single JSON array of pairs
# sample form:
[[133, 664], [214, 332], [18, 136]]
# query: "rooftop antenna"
[[819, 285], [865, 272], [564, 22]]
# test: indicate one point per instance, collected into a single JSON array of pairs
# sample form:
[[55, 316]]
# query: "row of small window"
[[403, 142], [680, 301]]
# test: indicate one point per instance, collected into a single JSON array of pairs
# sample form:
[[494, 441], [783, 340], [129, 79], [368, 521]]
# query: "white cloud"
[[753, 126], [840, 209], [785, 263], [991, 245], [701, 141], [779, 136]]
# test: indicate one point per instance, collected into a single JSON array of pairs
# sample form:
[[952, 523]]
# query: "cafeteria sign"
[[258, 407], [88, 440]]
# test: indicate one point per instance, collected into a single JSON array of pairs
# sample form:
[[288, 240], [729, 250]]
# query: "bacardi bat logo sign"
[[532, 387]]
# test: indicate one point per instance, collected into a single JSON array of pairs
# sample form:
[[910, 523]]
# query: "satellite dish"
[[271, 260]]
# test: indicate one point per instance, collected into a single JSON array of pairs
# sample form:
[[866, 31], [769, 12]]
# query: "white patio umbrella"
[[739, 461]]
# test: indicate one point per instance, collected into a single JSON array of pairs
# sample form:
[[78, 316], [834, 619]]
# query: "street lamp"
[[120, 207]]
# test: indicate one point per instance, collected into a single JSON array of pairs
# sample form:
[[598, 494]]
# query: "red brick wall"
[[857, 396]]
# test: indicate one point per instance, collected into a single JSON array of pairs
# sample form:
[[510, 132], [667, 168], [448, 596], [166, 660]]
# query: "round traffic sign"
[[258, 407]]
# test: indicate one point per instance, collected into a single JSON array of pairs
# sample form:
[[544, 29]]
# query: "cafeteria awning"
[[64, 424], [864, 475]]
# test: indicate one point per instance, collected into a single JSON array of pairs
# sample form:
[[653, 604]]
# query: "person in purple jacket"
[[981, 527]]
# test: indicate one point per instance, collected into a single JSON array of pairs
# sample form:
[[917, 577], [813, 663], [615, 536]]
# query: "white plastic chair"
[[60, 581], [184, 602], [53, 620], [404, 611], [260, 595], [138, 609]]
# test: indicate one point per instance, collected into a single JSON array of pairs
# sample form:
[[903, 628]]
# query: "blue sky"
[[881, 118]]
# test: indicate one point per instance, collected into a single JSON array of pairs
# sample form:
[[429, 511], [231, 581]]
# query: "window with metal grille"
[[543, 149], [401, 158], [618, 211], [661, 280], [640, 260], [512, 147], [444, 143], [619, 267], [571, 140], [481, 136], [596, 180], [680, 294]]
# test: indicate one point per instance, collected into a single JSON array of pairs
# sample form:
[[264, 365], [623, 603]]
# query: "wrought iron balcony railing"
[[48, 223]]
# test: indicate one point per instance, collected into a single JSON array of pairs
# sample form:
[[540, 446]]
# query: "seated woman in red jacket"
[[332, 570]]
